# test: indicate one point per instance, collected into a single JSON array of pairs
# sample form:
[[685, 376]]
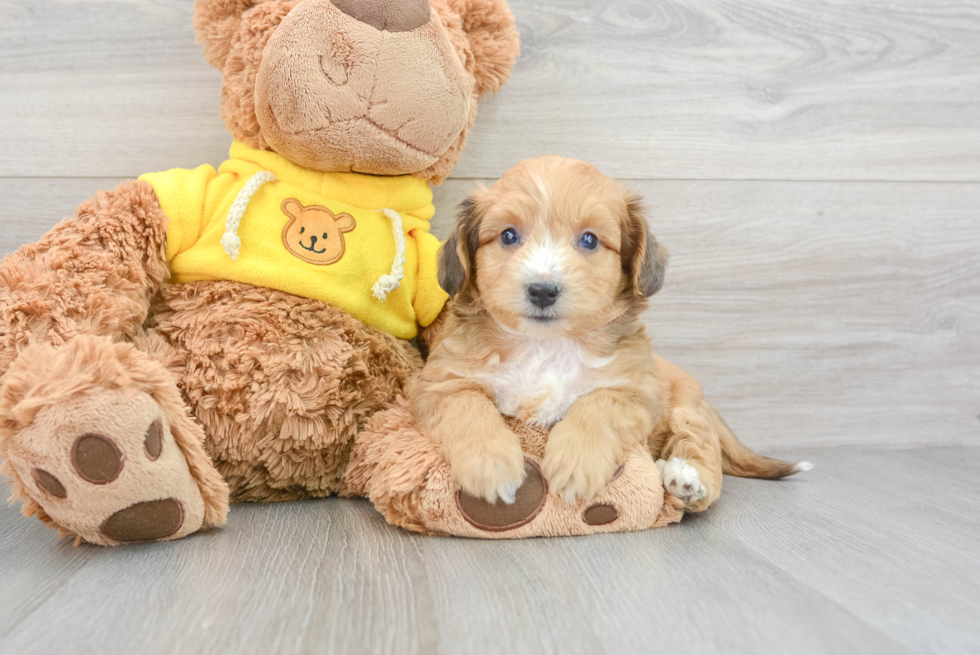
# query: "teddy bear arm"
[[94, 273]]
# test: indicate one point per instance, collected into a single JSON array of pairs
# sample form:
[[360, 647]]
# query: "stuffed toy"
[[410, 483], [203, 336]]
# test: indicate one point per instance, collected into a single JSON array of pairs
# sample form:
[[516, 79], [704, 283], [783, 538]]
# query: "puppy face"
[[553, 249]]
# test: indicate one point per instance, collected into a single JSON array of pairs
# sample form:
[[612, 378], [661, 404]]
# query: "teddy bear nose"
[[388, 15]]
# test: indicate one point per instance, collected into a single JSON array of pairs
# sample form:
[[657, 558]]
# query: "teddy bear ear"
[[291, 207], [215, 23], [490, 28], [345, 222]]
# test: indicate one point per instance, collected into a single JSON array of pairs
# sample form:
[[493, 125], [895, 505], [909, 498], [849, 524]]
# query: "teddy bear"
[[200, 336], [203, 336], [409, 481]]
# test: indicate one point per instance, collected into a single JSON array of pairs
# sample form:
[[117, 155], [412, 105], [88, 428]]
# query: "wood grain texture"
[[758, 89], [812, 564], [814, 313]]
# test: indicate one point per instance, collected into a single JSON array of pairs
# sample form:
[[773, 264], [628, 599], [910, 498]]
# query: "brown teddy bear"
[[199, 336]]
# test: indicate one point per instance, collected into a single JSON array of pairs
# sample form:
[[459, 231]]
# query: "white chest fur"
[[541, 381]]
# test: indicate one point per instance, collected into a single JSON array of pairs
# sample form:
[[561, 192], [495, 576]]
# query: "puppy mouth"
[[542, 319]]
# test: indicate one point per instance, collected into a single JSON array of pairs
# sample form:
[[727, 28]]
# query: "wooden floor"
[[874, 552], [814, 168]]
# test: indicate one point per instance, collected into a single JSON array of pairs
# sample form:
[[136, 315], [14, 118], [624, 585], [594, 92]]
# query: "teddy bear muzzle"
[[335, 92], [387, 15]]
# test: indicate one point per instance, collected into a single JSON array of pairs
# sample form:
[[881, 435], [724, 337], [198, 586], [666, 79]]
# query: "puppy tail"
[[738, 460]]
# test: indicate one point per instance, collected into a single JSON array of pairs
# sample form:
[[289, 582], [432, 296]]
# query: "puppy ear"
[[457, 257], [215, 23], [494, 40], [644, 259]]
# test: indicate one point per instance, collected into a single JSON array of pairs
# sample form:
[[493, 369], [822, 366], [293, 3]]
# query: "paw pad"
[[499, 516], [96, 458], [146, 521], [153, 442], [50, 484], [600, 514]]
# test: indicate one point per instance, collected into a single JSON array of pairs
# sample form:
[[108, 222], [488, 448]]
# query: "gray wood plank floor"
[[814, 169], [873, 552]]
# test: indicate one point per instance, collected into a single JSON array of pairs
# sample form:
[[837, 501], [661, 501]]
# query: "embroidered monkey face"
[[315, 234]]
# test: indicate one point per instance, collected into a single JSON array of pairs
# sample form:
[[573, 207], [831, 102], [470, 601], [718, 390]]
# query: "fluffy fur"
[[238, 34], [408, 480], [94, 381], [583, 366], [263, 392], [280, 384]]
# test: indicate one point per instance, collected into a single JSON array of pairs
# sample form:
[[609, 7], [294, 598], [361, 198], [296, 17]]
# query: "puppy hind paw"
[[681, 479]]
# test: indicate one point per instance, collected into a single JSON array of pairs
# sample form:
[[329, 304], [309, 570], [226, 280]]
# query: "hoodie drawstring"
[[391, 281], [230, 241]]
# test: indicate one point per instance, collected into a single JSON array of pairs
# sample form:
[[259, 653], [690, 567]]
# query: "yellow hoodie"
[[358, 242]]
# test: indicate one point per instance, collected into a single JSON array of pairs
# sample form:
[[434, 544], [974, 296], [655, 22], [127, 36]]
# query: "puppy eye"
[[588, 241], [324, 235], [302, 229], [509, 237]]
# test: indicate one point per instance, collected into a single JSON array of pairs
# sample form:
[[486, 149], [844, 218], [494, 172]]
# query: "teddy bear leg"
[[98, 444], [409, 481]]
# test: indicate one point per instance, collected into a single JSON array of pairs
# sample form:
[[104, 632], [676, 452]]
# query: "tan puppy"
[[551, 268]]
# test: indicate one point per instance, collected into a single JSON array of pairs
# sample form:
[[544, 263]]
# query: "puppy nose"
[[543, 294], [389, 15]]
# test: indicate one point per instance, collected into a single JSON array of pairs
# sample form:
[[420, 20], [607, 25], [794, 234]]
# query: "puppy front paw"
[[577, 468], [494, 470], [682, 480]]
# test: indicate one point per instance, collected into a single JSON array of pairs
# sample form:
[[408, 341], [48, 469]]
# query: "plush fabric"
[[334, 93], [54, 398], [281, 385], [175, 345], [409, 482], [363, 130], [281, 244]]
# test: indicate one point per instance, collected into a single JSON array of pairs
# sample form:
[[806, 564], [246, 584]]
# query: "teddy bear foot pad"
[[411, 485], [105, 467]]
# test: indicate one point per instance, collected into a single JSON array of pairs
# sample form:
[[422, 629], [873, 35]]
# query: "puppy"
[[551, 268]]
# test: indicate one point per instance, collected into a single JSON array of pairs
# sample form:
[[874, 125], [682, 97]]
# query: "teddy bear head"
[[385, 87]]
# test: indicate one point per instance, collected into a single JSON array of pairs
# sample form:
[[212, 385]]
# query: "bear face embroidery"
[[315, 234]]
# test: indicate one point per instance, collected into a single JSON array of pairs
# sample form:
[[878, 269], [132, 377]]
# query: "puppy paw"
[[682, 480], [577, 468], [495, 470]]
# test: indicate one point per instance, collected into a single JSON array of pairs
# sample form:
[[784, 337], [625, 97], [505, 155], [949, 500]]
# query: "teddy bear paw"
[[106, 467]]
